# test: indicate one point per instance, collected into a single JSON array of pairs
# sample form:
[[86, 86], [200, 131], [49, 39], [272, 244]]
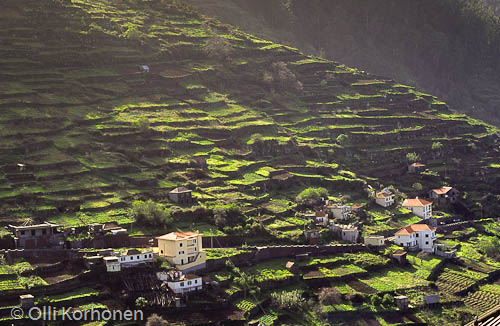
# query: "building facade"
[[183, 250], [416, 237], [385, 198], [419, 207]]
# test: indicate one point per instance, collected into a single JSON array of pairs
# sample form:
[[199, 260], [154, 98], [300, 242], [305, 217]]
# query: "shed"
[[27, 300], [432, 300], [402, 302]]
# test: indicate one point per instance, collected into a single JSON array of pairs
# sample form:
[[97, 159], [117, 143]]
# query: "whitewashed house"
[[322, 218], [374, 240], [180, 283], [347, 233], [385, 198], [130, 258], [134, 257], [416, 237], [340, 212], [419, 207]]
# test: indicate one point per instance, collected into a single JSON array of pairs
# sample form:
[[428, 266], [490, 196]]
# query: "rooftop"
[[178, 235], [384, 193], [415, 228], [417, 202], [442, 190], [36, 226], [179, 190]]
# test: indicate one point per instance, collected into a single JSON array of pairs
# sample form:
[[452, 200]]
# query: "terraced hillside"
[[85, 129]]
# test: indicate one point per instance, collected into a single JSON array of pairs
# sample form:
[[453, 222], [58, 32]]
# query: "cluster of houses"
[[415, 237]]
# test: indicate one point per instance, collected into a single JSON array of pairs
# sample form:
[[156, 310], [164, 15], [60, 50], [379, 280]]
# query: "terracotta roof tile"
[[442, 190], [417, 202], [178, 235], [410, 229]]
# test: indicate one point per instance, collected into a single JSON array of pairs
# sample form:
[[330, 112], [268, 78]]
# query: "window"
[[195, 281], [416, 235], [189, 282], [22, 232], [131, 257], [161, 251], [180, 244], [44, 231], [149, 255], [33, 232], [194, 241], [426, 235], [182, 284], [138, 257], [427, 242]]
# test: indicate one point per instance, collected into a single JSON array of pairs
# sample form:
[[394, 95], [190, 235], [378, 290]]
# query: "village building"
[[444, 195], [416, 237], [340, 212], [416, 167], [183, 249], [357, 208], [312, 236], [180, 283], [374, 241], [43, 235], [322, 218], [181, 195], [420, 207], [385, 198], [347, 233], [125, 259]]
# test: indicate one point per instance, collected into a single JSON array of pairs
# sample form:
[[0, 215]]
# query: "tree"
[[330, 296], [417, 186], [412, 157], [311, 195], [291, 301], [218, 47], [142, 124], [151, 213], [156, 320], [437, 146], [141, 302], [342, 139]]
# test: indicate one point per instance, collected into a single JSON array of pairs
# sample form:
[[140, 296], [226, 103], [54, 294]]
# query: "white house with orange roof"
[[183, 249], [416, 237], [419, 207], [444, 194], [385, 198]]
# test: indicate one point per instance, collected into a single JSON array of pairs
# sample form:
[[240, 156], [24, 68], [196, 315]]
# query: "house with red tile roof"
[[183, 250], [385, 198], [419, 207], [444, 195], [416, 237]]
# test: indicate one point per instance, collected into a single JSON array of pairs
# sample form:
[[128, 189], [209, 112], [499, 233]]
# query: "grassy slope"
[[71, 93]]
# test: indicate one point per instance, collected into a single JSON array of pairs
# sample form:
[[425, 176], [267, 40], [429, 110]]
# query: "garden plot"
[[392, 279]]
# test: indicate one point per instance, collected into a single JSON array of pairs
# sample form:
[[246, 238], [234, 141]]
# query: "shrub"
[[141, 302], [375, 300], [309, 195], [417, 186], [218, 47], [330, 296], [156, 320], [142, 124], [412, 157], [290, 301], [387, 299], [342, 139], [490, 246], [151, 213], [228, 216]]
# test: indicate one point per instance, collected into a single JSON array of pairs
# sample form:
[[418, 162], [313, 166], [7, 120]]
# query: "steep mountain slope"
[[448, 48], [85, 128]]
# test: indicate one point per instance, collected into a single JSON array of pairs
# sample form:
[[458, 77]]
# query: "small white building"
[[130, 258], [340, 212], [385, 198], [374, 240], [347, 233], [322, 218], [416, 237], [112, 264], [135, 257], [419, 207], [180, 283]]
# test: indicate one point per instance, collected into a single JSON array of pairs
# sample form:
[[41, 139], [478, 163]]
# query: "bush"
[[490, 246], [417, 186], [291, 301], [218, 47], [311, 195], [141, 302], [412, 157], [330, 296], [387, 299], [156, 320], [151, 213], [228, 216], [375, 300]]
